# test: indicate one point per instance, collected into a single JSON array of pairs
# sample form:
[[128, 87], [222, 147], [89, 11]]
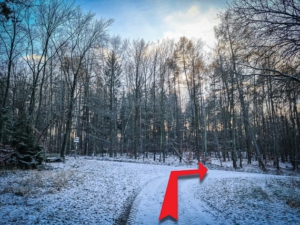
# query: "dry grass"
[[287, 191], [37, 182]]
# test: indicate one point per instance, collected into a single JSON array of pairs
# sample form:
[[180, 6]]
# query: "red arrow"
[[170, 203]]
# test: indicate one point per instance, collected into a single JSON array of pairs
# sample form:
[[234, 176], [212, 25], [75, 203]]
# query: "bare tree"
[[275, 26], [113, 72], [88, 34]]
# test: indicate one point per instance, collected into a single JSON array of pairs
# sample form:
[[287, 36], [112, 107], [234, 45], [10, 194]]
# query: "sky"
[[154, 20]]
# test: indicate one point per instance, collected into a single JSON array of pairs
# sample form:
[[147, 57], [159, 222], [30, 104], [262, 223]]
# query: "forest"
[[62, 76]]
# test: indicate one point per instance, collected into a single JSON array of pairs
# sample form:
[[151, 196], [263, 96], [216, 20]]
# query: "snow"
[[224, 198], [93, 191]]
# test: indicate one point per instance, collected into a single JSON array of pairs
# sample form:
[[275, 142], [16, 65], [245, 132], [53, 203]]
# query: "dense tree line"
[[62, 76]]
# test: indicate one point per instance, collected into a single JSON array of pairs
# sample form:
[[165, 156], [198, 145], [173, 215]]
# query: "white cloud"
[[192, 23], [193, 11]]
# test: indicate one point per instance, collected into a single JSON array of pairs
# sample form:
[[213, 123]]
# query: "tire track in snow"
[[129, 207], [122, 219]]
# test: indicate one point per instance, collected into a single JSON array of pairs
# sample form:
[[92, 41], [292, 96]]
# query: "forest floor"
[[93, 190]]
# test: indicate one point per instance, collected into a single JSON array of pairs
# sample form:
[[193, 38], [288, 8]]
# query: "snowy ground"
[[93, 191], [212, 163]]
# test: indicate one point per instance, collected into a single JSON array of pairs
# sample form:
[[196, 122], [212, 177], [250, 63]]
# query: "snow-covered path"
[[147, 205], [91, 191], [195, 207]]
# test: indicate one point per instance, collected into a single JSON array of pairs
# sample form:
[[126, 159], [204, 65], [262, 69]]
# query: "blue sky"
[[157, 19]]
